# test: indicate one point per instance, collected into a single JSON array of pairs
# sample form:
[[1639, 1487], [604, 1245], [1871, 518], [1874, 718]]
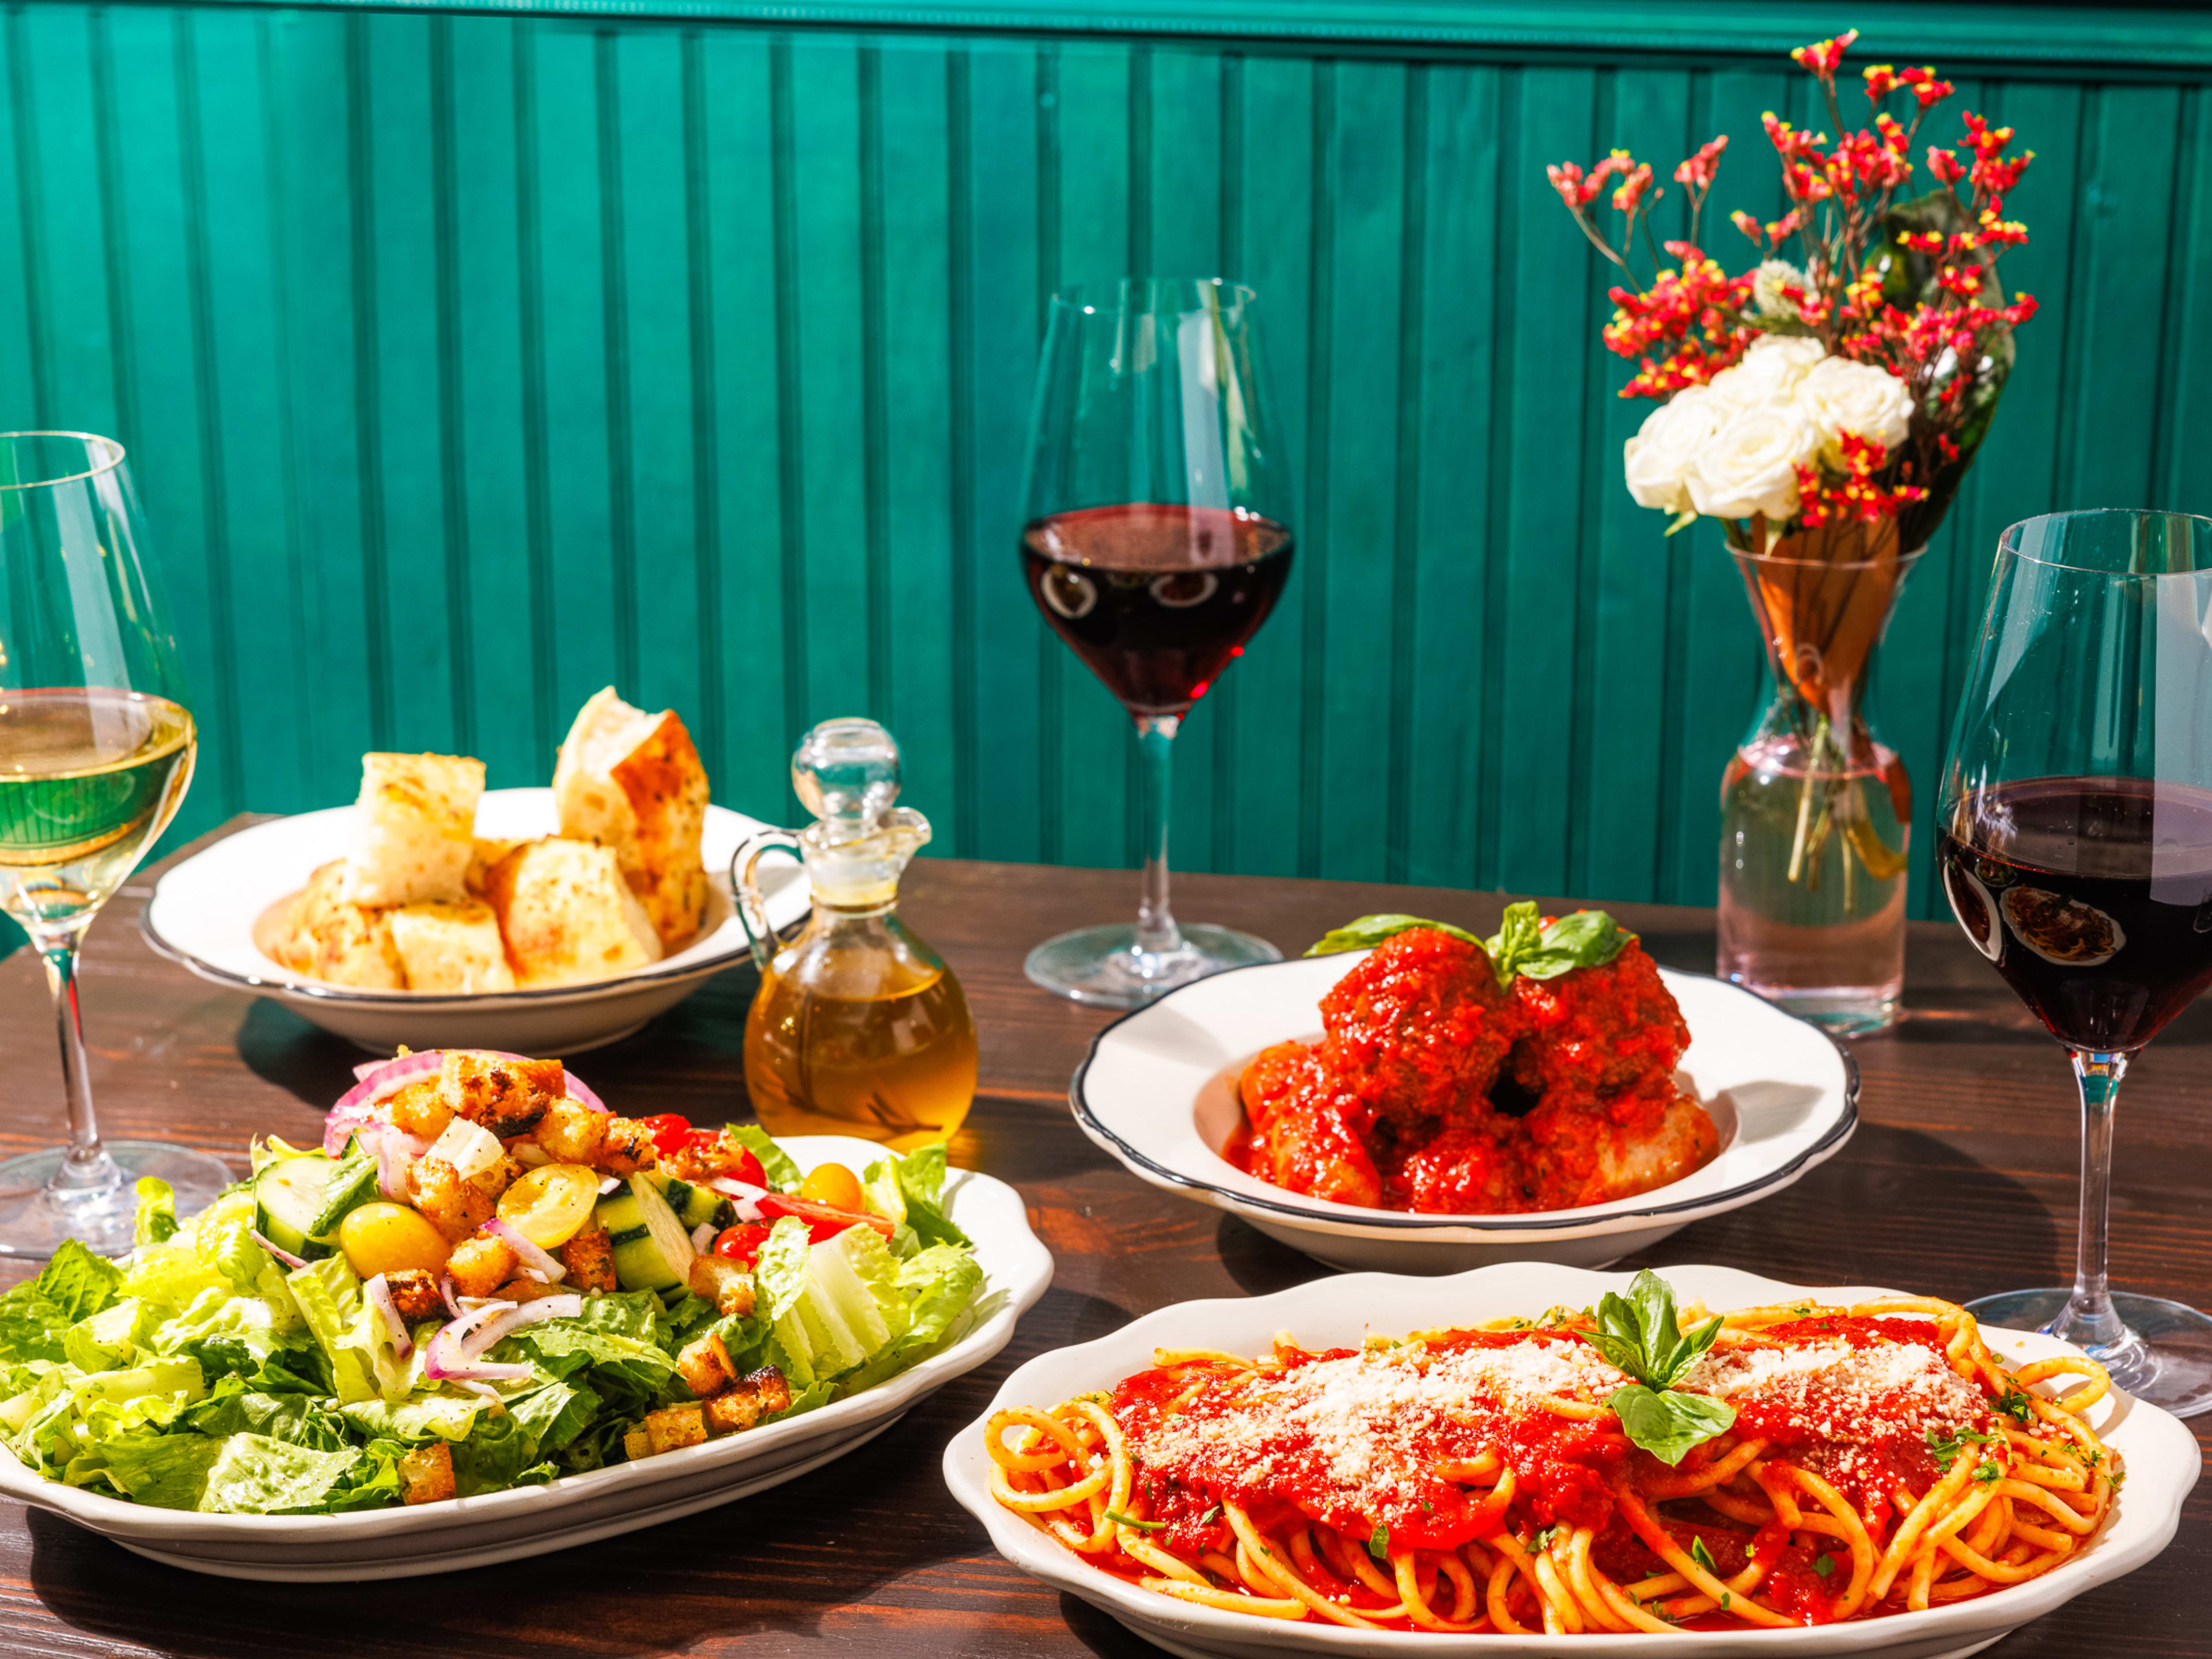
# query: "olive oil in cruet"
[[859, 1028]]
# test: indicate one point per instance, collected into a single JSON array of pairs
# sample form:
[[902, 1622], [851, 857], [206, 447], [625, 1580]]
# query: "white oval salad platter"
[[526, 1520], [2161, 1457], [1158, 1091], [203, 913]]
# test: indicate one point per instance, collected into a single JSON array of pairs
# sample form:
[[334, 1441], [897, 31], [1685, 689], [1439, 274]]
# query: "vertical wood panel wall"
[[471, 362]]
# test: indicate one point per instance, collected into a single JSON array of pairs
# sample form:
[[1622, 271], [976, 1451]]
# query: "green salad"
[[216, 1369]]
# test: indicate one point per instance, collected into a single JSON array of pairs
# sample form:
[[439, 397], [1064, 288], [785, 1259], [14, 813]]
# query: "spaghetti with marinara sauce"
[[1880, 1461]]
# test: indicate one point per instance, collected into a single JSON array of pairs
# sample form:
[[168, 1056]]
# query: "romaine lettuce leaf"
[[776, 1165], [255, 1474], [34, 1315]]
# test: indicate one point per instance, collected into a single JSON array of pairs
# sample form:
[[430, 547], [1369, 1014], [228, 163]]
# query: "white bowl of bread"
[[438, 913]]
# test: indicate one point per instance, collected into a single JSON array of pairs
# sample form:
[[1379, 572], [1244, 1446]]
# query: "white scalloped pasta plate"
[[506, 1526], [202, 912], [2161, 1456], [1158, 1092]]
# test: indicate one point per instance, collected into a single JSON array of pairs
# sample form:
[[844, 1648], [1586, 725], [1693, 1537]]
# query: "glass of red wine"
[[1156, 541], [2075, 841]]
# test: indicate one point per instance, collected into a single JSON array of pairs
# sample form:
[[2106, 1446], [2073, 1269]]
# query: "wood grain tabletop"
[[1959, 1181]]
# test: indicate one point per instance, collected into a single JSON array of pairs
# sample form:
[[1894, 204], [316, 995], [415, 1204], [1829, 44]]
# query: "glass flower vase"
[[1816, 811]]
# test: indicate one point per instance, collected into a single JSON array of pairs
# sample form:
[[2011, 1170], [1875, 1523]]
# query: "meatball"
[[1420, 1028], [1308, 1131], [1460, 1171]]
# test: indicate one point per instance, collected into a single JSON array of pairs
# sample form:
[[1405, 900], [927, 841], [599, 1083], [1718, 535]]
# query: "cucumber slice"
[[652, 1249], [694, 1206], [289, 1197], [351, 1183]]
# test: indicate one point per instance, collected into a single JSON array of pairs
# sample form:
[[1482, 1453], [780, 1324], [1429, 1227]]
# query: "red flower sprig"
[[1690, 319]]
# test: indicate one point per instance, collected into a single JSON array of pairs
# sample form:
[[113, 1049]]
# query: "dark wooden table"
[[1959, 1181]]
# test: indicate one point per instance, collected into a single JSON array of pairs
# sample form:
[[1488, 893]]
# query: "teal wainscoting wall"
[[472, 359]]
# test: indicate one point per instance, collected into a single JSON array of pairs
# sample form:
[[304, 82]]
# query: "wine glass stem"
[[1156, 934], [87, 1167], [2089, 1320]]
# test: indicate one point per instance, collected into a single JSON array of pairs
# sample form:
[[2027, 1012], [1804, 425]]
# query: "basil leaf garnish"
[[1641, 1333], [1522, 943], [1667, 1423], [1370, 931]]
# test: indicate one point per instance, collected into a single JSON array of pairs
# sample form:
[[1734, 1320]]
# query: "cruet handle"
[[744, 885]]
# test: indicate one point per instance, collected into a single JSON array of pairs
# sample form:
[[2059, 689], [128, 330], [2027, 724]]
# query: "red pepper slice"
[[669, 1131], [823, 1220]]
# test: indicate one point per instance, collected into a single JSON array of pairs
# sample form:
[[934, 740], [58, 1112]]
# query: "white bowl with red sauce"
[[2161, 1455], [1158, 1091]]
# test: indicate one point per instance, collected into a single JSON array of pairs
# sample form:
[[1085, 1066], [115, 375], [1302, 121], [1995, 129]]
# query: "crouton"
[[706, 1367], [732, 1413], [451, 944], [589, 1260], [625, 1147], [568, 914], [521, 1289], [426, 1474], [479, 1266], [319, 934], [454, 1206], [631, 781], [495, 1178], [418, 1110], [505, 1097], [483, 855], [414, 1293], [414, 828], [637, 1443], [701, 1158], [571, 1131], [724, 1283], [675, 1426], [768, 1384]]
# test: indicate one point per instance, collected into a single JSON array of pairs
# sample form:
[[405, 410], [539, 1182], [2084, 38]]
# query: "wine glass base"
[[35, 1221], [1103, 967], [2164, 1360]]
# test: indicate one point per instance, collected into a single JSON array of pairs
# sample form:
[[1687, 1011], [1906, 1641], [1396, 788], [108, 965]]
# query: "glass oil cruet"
[[858, 1027]]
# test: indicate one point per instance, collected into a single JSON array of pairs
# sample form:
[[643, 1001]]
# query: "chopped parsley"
[[1725, 1599], [1988, 1473], [1947, 1447], [1378, 1544], [1209, 1517], [1703, 1556], [2015, 1404], [1544, 1539], [1824, 1564], [1122, 1520]]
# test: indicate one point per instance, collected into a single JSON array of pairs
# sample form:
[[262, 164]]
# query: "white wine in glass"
[[96, 750]]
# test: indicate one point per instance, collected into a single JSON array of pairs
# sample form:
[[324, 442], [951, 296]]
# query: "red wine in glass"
[[2092, 898], [1157, 599]]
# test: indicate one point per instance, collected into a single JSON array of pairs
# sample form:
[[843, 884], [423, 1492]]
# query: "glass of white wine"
[[96, 748]]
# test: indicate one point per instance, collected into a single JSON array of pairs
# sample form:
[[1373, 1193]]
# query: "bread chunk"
[[326, 936], [568, 914], [451, 944], [632, 781], [483, 855], [414, 828]]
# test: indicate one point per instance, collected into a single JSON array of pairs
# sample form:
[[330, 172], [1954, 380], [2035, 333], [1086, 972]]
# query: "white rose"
[[1840, 396], [1750, 465], [1769, 371], [1658, 459]]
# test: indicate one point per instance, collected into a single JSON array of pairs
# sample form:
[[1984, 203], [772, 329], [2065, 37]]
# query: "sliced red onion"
[[545, 1267], [448, 1359], [359, 1106], [445, 1290], [514, 1318], [395, 1151], [379, 1293], [484, 1388], [702, 1237], [608, 1183], [284, 1256], [744, 1195], [580, 1092]]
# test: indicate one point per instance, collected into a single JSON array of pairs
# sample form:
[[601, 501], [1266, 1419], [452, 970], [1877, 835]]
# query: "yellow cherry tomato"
[[388, 1238], [550, 1205], [833, 1183]]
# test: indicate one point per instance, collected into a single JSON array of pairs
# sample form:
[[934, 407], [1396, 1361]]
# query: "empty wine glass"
[[1157, 539], [2075, 841], [96, 747]]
